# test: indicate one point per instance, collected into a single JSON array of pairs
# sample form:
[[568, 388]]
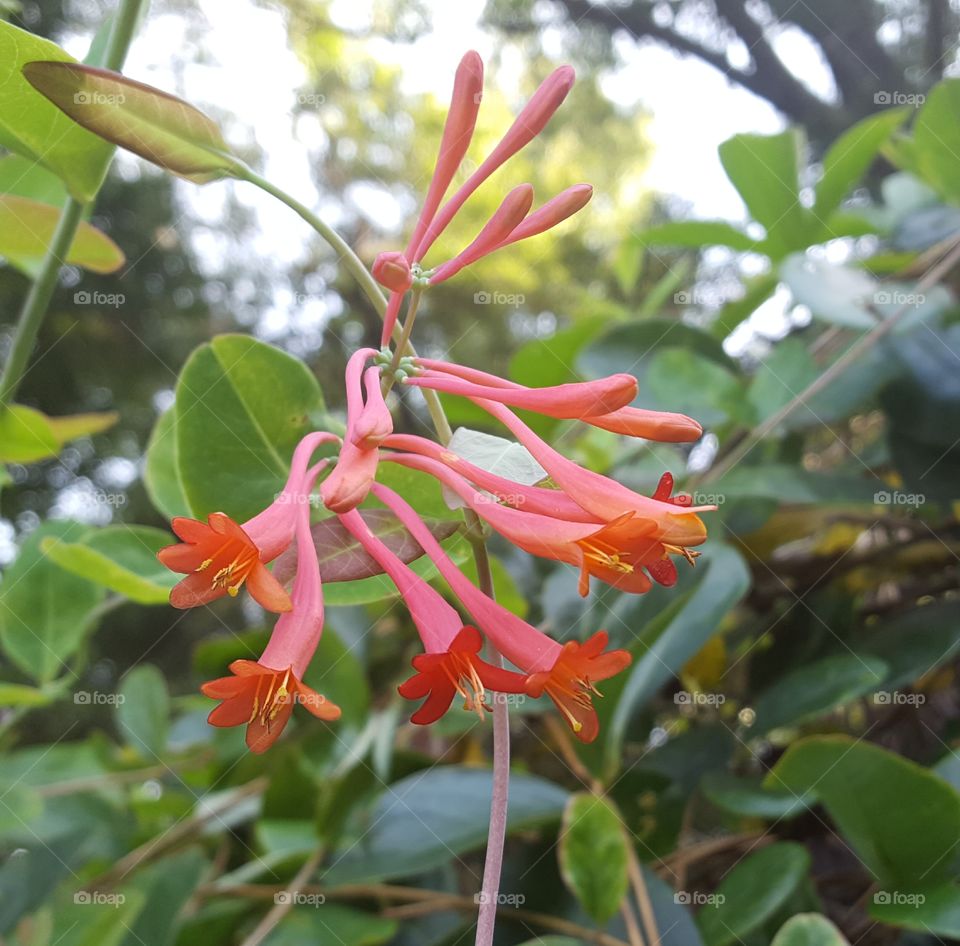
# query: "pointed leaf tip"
[[151, 123]]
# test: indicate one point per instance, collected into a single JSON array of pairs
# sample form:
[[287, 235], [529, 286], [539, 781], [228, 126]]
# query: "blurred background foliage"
[[778, 765]]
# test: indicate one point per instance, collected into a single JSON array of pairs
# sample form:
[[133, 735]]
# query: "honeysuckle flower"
[[392, 271], [368, 422], [534, 499], [571, 401], [677, 525], [609, 412], [615, 552], [457, 133], [218, 556], [567, 673], [260, 693], [452, 663]]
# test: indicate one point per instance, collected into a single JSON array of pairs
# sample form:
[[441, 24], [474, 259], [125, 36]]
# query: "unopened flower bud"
[[392, 270]]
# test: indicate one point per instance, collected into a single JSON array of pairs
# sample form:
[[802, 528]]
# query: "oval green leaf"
[[157, 126], [593, 855], [809, 929]]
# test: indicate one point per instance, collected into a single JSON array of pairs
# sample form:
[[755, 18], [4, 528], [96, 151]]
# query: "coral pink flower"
[[571, 401], [616, 552], [677, 524], [218, 556], [367, 424], [458, 130], [567, 673], [392, 270], [260, 694], [452, 664], [609, 413]]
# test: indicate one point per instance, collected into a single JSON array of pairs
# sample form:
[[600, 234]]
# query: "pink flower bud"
[[393, 271]]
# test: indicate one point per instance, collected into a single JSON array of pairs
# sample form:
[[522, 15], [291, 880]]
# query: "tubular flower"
[[452, 663], [260, 693], [511, 222], [677, 526], [616, 552], [571, 401], [567, 673], [367, 424], [219, 556], [610, 410]]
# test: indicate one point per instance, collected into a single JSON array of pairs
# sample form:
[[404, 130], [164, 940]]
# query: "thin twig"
[[933, 276], [283, 901]]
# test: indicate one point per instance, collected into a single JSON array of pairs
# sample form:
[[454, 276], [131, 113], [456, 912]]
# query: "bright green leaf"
[[809, 929], [26, 435], [121, 558], [593, 855], [161, 476], [45, 612], [37, 129], [242, 406], [936, 139], [697, 234]]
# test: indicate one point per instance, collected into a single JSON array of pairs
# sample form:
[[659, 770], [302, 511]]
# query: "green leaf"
[[153, 124], [121, 558], [753, 892], [660, 656], [143, 713], [161, 476], [933, 911], [33, 127], [17, 694], [593, 855], [89, 924], [735, 311], [342, 558], [27, 228], [26, 435], [506, 458], [863, 788], [168, 885], [783, 374], [763, 168], [850, 156], [840, 295], [336, 672], [748, 798], [629, 348], [815, 689], [793, 485], [73, 426], [242, 406], [454, 801], [698, 233], [45, 612], [936, 139], [697, 387], [331, 924], [809, 929]]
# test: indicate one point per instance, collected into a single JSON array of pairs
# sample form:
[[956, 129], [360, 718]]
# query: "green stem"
[[41, 292], [350, 260]]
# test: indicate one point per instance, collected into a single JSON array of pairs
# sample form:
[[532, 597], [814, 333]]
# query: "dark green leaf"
[[143, 714]]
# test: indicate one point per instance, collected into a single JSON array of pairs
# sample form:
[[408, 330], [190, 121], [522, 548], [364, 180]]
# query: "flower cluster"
[[610, 533]]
